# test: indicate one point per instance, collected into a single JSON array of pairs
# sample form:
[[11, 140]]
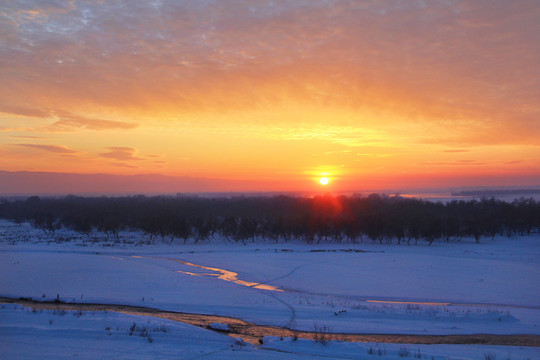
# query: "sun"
[[323, 181]]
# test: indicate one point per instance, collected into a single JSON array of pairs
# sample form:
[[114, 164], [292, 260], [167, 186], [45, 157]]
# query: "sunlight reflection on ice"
[[221, 274]]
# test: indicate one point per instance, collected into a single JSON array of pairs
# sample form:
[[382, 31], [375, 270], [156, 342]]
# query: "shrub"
[[404, 352], [321, 334]]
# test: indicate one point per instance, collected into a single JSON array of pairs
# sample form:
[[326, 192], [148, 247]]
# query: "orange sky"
[[274, 94]]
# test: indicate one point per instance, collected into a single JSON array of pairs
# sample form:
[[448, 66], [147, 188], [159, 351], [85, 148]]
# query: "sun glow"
[[323, 181]]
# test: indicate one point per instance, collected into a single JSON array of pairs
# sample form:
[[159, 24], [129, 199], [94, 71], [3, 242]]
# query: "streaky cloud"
[[456, 150], [121, 153], [58, 149], [23, 111], [73, 123], [28, 137]]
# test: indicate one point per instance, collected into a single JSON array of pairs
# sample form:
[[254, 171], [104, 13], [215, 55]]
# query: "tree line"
[[378, 218]]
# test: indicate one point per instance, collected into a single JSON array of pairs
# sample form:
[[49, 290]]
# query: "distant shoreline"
[[497, 192]]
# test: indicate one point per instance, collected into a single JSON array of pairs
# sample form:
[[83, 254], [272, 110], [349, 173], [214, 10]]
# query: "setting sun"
[[323, 181]]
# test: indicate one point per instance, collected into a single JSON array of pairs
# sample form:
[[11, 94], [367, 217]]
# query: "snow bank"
[[219, 326]]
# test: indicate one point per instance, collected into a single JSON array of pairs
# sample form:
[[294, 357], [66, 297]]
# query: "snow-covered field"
[[446, 288], [27, 334]]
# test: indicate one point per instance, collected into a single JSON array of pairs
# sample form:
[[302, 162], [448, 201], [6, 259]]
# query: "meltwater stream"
[[231, 276], [221, 274]]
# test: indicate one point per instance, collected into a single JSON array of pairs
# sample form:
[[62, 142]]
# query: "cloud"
[[487, 133], [464, 61], [124, 165], [121, 153], [71, 123], [455, 163], [58, 149], [23, 111], [374, 155], [456, 150], [343, 135], [67, 121], [13, 129], [29, 137]]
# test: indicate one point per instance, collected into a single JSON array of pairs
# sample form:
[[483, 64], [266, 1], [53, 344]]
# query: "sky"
[[272, 95]]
